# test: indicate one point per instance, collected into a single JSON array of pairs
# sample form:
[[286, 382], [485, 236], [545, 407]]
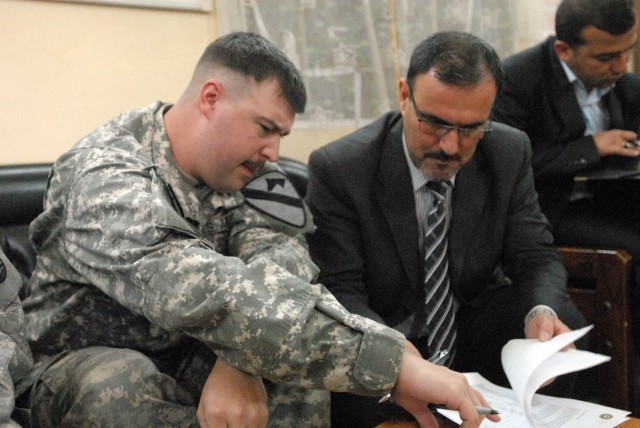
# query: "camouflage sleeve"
[[123, 236], [252, 237], [7, 398], [341, 351], [15, 356], [271, 224]]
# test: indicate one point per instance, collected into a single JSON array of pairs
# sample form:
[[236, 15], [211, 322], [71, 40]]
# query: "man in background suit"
[[580, 107], [368, 196]]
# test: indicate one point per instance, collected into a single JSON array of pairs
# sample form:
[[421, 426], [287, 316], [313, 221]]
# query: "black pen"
[[481, 410]]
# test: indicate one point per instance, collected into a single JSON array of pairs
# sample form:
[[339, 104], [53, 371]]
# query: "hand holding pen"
[[420, 382], [440, 358]]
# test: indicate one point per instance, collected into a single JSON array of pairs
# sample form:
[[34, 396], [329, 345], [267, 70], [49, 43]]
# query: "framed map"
[[192, 5], [351, 54]]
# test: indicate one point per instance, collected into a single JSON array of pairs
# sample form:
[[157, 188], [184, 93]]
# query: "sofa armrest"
[[22, 189]]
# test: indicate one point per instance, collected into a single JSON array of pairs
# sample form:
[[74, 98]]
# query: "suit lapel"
[[615, 110], [564, 99], [469, 198], [395, 196]]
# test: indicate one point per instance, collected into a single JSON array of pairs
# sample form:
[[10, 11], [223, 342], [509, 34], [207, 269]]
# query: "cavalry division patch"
[[273, 194]]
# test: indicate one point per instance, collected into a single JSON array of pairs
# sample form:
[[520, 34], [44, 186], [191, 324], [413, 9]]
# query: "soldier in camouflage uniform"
[[152, 264], [15, 356]]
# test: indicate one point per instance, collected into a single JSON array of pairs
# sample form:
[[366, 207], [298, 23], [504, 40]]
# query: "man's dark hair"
[[611, 16], [254, 56], [457, 58]]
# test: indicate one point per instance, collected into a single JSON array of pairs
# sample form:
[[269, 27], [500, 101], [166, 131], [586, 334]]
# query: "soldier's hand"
[[232, 398], [421, 383]]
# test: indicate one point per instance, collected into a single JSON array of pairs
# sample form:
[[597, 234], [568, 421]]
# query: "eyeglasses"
[[437, 128]]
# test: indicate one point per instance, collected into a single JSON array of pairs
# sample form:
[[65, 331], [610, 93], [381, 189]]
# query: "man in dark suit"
[[580, 107], [372, 209]]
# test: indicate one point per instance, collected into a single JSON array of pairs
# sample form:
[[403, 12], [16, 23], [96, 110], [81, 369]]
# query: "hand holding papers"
[[549, 412], [528, 364]]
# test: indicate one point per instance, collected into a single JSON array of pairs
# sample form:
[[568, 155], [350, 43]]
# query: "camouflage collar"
[[189, 192]]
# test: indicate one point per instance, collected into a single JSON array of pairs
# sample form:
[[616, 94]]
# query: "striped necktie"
[[439, 327]]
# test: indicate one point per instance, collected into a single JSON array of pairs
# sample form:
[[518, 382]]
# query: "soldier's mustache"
[[254, 166]]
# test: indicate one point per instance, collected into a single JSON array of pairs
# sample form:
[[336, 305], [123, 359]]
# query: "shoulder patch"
[[273, 194]]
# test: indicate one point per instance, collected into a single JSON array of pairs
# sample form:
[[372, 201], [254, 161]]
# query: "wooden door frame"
[[636, 55]]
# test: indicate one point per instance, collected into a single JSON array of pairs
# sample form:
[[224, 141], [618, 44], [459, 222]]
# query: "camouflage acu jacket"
[[133, 253], [15, 356]]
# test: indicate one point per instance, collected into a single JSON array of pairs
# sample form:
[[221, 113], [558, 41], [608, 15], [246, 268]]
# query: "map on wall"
[[351, 57], [195, 5]]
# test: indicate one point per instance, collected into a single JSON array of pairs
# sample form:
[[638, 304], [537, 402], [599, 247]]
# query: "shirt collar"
[[189, 191], [577, 83], [418, 180]]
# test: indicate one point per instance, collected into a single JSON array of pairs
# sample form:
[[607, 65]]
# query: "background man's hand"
[[616, 142]]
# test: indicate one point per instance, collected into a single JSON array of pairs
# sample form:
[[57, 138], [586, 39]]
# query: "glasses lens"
[[432, 128], [471, 132], [440, 130]]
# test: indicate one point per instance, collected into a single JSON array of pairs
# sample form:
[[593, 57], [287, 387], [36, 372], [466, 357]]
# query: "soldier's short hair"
[[254, 56]]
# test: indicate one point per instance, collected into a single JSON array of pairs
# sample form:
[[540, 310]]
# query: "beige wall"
[[66, 68]]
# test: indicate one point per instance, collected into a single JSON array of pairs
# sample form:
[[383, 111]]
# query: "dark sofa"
[[21, 194], [22, 190]]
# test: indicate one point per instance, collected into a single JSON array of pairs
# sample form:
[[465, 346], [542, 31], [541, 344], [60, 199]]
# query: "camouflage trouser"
[[109, 387]]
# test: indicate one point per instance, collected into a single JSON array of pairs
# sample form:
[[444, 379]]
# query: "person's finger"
[[469, 415], [546, 329], [480, 400]]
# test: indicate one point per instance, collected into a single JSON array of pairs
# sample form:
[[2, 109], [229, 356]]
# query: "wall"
[[66, 68], [69, 67]]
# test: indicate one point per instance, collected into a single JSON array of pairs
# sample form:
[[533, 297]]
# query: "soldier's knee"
[[106, 384], [117, 374]]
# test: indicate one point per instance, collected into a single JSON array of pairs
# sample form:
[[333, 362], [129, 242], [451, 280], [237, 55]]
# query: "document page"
[[548, 412], [529, 363]]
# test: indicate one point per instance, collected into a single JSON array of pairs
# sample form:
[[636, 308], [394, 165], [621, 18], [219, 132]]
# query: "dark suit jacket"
[[366, 242], [539, 100]]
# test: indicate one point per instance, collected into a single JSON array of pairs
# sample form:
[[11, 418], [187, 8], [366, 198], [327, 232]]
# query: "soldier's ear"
[[210, 93]]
